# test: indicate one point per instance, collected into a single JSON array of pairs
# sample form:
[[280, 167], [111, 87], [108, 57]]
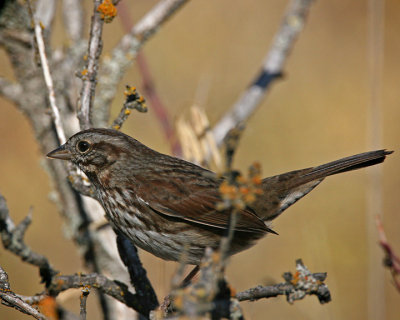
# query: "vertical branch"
[[90, 72], [47, 77], [272, 67], [83, 298]]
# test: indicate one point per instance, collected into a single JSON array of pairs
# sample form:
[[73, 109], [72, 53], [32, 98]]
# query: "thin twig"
[[82, 308], [10, 299], [13, 240], [47, 76], [90, 72], [113, 68], [272, 68], [134, 101]]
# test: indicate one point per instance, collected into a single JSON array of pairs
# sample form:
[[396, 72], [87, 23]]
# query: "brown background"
[[317, 113]]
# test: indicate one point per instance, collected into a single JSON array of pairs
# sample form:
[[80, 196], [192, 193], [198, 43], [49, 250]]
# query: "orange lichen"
[[130, 91], [84, 72], [127, 112], [242, 191], [116, 127], [48, 307], [296, 278], [108, 11]]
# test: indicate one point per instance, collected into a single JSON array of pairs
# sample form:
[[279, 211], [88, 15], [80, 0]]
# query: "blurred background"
[[317, 113]]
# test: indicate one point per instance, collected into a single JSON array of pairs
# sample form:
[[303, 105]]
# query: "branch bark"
[[90, 72], [10, 299]]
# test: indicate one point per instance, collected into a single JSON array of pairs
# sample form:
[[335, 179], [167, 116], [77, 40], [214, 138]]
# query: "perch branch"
[[272, 67], [10, 299], [113, 68], [130, 258]]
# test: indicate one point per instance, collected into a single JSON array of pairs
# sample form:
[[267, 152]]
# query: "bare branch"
[[296, 287], [47, 77], [115, 289], [10, 91], [134, 101], [13, 240], [10, 299], [90, 72], [83, 298], [273, 64], [113, 68]]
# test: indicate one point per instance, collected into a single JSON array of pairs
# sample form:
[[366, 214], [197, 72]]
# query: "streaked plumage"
[[166, 205]]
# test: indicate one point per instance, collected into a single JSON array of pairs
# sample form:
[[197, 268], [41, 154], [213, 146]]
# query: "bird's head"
[[94, 150]]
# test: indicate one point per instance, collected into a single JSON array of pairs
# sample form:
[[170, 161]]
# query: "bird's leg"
[[185, 282], [189, 277]]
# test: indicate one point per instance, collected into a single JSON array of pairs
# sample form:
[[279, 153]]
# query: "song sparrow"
[[166, 205]]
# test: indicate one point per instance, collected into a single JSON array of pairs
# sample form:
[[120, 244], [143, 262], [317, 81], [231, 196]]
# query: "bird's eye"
[[83, 146]]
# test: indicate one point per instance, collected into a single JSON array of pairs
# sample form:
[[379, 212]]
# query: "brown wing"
[[196, 203]]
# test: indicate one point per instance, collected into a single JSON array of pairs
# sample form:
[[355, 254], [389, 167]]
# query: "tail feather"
[[355, 162], [283, 190]]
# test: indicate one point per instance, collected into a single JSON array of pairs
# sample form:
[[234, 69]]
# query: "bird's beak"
[[60, 153]]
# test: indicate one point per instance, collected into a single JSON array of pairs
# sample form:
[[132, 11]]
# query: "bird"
[[167, 206]]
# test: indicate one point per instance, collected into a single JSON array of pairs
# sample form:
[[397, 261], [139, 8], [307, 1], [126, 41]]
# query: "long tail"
[[283, 190]]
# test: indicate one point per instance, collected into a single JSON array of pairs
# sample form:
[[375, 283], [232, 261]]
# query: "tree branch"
[[296, 287], [138, 275], [112, 288], [272, 67], [134, 101], [13, 240], [10, 299], [113, 68], [90, 71], [47, 77]]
